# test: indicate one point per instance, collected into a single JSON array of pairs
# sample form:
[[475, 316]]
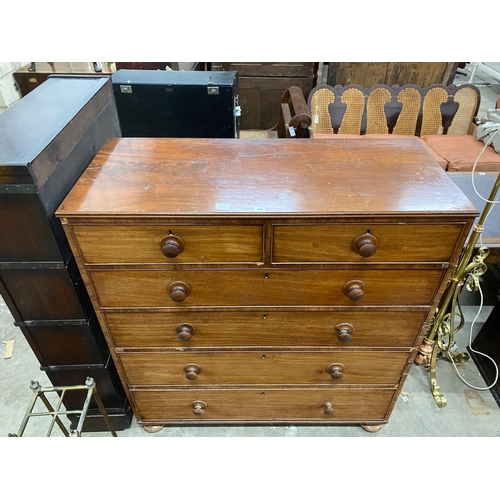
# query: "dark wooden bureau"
[[47, 140], [241, 281]]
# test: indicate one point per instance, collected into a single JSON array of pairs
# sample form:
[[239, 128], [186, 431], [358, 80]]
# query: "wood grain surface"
[[246, 281], [264, 367], [266, 404], [135, 329], [134, 176]]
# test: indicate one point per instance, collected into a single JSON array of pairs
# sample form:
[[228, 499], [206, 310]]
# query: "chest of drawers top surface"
[[217, 177]]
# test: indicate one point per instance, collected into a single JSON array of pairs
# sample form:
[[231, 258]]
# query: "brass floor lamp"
[[439, 341]]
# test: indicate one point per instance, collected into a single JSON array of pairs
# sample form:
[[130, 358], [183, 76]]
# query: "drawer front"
[[246, 405], [274, 328], [182, 244], [186, 288], [378, 242], [263, 367]]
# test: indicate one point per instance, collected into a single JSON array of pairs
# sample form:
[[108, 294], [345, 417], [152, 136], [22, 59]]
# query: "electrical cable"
[[486, 144], [477, 352], [495, 202]]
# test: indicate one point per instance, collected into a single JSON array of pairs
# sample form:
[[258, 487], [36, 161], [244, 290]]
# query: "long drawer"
[[182, 244], [264, 367], [203, 329], [379, 242], [265, 404], [131, 244], [142, 288]]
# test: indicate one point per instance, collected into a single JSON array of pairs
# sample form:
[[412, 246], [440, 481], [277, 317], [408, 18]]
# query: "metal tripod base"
[[39, 393]]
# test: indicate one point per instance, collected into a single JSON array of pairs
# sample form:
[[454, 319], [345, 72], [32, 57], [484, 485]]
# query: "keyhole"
[[170, 231], [266, 276], [264, 316], [263, 356]]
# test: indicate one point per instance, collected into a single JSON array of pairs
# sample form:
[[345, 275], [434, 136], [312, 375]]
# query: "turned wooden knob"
[[365, 245], [328, 409], [336, 370], [192, 371], [344, 332], [178, 291], [354, 289], [185, 331], [198, 407], [171, 246]]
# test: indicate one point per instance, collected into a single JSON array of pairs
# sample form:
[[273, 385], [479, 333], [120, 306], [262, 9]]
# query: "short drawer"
[[263, 367], [274, 328], [169, 244], [365, 242], [265, 404], [143, 288]]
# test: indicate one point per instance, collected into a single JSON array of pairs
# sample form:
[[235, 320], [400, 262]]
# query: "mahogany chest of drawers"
[[264, 281]]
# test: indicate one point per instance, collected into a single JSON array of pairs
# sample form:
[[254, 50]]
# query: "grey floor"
[[469, 412]]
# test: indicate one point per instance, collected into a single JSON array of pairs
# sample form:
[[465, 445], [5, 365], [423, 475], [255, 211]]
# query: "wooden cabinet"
[[47, 140], [261, 86], [264, 281], [30, 80], [367, 74]]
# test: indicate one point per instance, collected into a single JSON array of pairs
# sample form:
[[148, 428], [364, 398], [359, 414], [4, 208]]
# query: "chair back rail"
[[403, 110]]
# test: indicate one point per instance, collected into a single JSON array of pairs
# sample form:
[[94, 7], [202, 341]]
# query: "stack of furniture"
[[269, 281], [46, 142]]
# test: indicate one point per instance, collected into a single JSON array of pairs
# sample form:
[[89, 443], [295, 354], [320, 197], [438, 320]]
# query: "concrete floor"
[[469, 412]]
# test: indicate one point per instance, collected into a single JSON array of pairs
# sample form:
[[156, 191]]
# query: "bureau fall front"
[[264, 281]]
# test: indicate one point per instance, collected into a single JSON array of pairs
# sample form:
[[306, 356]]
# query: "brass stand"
[[39, 392], [439, 341]]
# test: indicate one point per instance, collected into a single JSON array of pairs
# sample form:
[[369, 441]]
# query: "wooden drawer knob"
[[178, 291], [192, 371], [171, 246], [329, 409], [344, 332], [354, 289], [185, 331], [336, 370], [365, 245], [198, 407]]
